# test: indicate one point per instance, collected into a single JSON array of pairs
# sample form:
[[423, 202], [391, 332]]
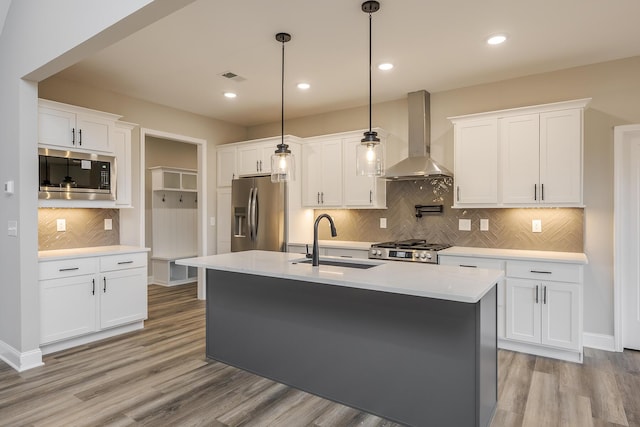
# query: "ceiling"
[[435, 45]]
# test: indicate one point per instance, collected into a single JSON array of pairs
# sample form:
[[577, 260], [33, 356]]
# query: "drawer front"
[[348, 253], [67, 268], [123, 261], [547, 271], [461, 261]]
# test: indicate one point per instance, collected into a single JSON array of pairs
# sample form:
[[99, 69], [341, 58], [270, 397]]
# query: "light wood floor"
[[160, 377]]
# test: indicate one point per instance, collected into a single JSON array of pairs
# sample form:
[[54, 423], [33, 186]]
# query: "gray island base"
[[415, 360]]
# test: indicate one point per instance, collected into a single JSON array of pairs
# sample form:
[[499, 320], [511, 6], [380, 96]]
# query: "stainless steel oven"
[[76, 176], [415, 250]]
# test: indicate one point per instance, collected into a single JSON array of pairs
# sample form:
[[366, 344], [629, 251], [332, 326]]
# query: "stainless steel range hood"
[[419, 164]]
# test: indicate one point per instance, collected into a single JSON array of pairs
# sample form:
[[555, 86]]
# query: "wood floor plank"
[[159, 376]]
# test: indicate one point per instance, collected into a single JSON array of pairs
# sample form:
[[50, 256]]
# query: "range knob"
[[373, 252], [428, 256], [379, 252]]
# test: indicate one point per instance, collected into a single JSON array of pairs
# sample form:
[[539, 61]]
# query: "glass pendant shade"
[[369, 160], [282, 167]]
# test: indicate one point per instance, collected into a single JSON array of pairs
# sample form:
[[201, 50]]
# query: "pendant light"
[[369, 154], [282, 161]]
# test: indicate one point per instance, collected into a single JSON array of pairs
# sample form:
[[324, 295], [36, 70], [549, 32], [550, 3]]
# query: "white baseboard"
[[85, 339], [20, 361], [599, 341]]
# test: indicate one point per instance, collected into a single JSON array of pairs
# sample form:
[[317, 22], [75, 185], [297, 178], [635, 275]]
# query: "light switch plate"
[[464, 224], [61, 225], [536, 226], [108, 224], [383, 222], [12, 228], [212, 221], [484, 225]]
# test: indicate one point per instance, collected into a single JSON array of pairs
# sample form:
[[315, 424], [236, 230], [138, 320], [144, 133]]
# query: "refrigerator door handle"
[[256, 213], [249, 207]]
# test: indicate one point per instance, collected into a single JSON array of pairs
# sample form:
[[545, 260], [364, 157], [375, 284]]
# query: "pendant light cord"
[[282, 105], [370, 72]]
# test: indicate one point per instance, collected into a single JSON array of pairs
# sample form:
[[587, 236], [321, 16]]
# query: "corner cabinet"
[[522, 157], [329, 176], [89, 298], [540, 306]]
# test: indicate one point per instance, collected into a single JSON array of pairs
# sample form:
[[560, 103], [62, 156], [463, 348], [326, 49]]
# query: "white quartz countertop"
[[339, 244], [59, 254], [516, 254], [423, 280]]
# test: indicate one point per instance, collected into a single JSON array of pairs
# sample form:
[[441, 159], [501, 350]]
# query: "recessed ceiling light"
[[497, 39], [230, 95], [385, 66], [304, 86]]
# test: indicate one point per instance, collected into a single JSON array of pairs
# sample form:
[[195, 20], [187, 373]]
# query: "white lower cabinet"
[[539, 305], [87, 296]]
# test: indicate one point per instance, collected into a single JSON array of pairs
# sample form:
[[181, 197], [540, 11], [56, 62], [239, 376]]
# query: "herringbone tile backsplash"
[[85, 228], [562, 228]]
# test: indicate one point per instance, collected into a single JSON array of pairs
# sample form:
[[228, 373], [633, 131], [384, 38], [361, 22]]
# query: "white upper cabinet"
[[255, 159], [70, 127], [360, 191], [476, 162], [226, 170], [532, 154], [121, 143], [322, 172]]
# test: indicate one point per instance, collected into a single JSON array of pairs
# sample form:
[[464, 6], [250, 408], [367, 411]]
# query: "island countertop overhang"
[[431, 281]]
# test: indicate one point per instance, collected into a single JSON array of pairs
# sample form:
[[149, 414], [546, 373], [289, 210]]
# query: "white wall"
[[37, 40]]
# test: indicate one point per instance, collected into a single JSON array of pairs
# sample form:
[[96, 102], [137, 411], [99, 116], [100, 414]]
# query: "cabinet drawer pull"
[[346, 256], [468, 266], [537, 293], [541, 272], [125, 262], [69, 269]]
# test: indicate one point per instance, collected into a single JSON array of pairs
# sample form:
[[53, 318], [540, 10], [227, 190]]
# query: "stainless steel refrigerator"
[[258, 214]]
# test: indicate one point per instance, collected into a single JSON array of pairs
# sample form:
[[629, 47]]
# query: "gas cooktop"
[[416, 250]]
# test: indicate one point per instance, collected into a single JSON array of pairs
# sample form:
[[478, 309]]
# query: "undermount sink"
[[336, 262]]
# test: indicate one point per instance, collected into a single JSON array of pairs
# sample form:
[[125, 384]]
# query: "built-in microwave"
[[76, 176]]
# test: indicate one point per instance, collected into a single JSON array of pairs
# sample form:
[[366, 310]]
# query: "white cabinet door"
[[56, 127], [67, 307], [312, 174], [223, 234], [476, 162], [360, 191], [226, 166], [123, 297], [93, 133], [331, 160], [121, 143], [523, 310], [561, 156], [249, 158], [561, 315], [520, 146]]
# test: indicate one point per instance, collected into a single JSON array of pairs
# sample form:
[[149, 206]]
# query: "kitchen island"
[[411, 343]]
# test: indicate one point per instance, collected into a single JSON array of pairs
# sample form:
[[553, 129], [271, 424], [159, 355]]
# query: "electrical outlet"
[[212, 221], [464, 224], [61, 225], [484, 225], [536, 226], [108, 224], [383, 222]]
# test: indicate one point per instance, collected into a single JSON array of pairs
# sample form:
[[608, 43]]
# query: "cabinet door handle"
[[322, 197], [370, 196], [468, 266], [257, 166], [69, 269], [260, 165], [93, 286], [104, 289], [80, 136], [541, 272], [346, 256], [544, 294], [537, 293], [535, 192], [542, 192], [73, 136], [457, 193], [318, 197], [125, 262]]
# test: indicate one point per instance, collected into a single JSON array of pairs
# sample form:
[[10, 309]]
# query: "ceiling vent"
[[232, 76]]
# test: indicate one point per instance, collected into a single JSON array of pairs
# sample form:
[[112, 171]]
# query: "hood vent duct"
[[419, 164]]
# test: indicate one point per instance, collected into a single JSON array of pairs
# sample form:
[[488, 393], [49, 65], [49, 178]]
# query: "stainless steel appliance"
[[415, 250], [69, 175], [258, 214]]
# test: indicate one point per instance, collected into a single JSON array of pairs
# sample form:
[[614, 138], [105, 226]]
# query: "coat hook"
[[181, 198], [163, 197]]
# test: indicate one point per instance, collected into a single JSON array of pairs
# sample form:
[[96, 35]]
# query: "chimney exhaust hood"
[[419, 164]]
